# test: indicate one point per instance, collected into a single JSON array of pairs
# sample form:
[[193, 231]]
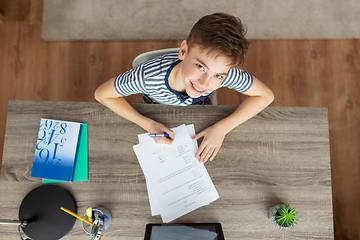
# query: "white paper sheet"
[[177, 183], [145, 137]]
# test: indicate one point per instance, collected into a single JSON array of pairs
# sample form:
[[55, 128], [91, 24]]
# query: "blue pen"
[[153, 135]]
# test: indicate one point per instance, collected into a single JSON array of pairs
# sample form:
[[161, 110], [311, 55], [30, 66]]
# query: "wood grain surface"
[[280, 156], [305, 73]]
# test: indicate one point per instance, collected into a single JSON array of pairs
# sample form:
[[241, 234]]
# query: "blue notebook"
[[56, 150], [81, 172]]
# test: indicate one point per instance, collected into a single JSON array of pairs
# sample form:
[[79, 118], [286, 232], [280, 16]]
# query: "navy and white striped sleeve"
[[131, 82], [238, 80]]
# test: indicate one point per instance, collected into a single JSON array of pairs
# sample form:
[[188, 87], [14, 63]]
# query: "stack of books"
[[61, 152]]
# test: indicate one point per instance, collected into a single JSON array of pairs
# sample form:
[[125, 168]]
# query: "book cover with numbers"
[[56, 150]]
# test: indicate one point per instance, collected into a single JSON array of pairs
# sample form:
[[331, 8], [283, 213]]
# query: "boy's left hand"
[[210, 145]]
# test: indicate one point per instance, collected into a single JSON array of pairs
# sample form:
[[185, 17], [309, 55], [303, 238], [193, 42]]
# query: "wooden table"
[[279, 156]]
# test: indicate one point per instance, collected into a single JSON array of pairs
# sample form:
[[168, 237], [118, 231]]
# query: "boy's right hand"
[[160, 128], [108, 96]]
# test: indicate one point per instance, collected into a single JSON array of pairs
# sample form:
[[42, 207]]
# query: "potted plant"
[[283, 216]]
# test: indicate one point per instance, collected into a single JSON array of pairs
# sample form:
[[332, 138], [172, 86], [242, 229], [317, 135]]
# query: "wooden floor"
[[311, 73]]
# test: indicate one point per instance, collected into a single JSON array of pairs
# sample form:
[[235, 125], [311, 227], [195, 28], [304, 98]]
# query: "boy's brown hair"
[[221, 33]]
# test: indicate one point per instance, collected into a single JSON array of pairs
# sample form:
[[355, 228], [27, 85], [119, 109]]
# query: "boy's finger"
[[199, 151], [214, 154], [163, 140], [199, 135], [205, 153], [171, 134], [208, 154]]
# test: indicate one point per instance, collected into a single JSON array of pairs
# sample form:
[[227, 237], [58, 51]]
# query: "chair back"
[[152, 54]]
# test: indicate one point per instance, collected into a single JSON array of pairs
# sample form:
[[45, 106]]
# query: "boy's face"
[[201, 71]]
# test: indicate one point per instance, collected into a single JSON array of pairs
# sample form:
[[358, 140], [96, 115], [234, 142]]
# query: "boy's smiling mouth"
[[197, 89]]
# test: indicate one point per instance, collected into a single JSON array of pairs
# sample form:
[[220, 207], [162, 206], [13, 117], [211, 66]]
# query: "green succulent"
[[285, 217]]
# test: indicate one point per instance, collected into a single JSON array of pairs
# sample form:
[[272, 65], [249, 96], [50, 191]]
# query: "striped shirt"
[[151, 78]]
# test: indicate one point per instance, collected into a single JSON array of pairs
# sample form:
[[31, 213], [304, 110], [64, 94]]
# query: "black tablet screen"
[[184, 231]]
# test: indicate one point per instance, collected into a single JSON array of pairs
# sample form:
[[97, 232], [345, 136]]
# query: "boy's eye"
[[218, 76], [201, 68]]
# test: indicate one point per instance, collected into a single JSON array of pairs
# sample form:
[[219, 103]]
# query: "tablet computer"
[[184, 231]]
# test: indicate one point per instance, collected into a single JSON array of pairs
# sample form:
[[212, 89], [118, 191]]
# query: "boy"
[[208, 59]]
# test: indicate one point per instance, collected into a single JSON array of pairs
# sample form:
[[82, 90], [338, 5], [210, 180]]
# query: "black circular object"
[[41, 208]]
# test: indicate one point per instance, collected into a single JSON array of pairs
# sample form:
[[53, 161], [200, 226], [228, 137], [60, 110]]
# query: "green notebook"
[[81, 172]]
